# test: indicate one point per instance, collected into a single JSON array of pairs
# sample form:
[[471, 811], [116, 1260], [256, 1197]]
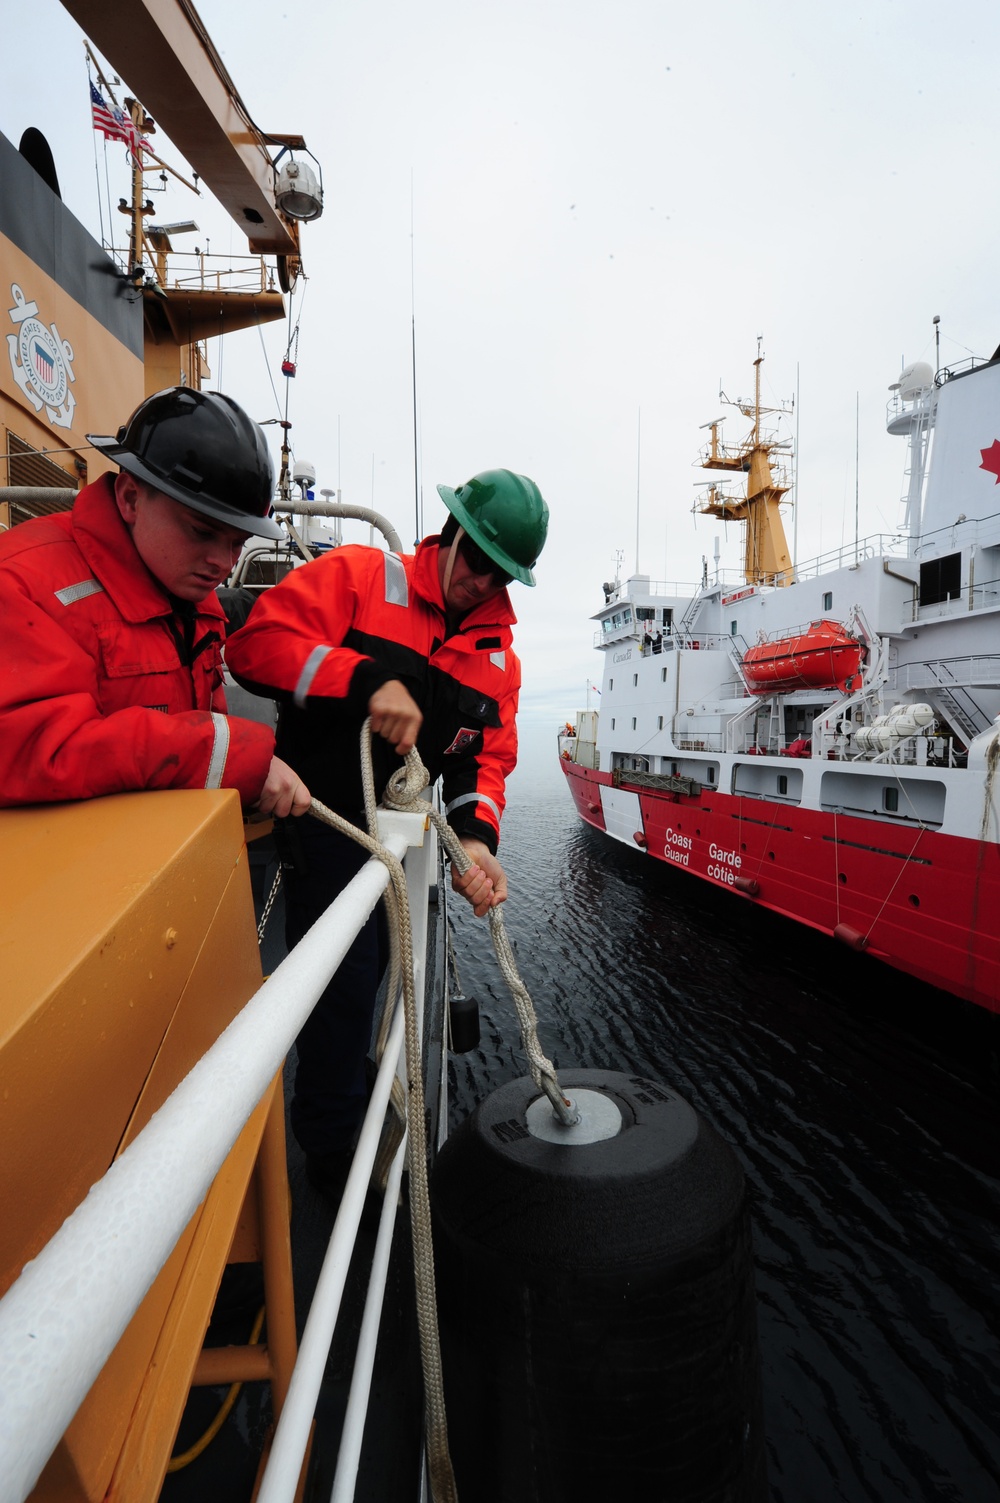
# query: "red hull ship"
[[843, 774]]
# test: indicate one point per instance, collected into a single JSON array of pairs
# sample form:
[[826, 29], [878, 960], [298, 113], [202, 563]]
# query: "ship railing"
[[875, 546], [973, 597], [737, 728], [203, 271], [981, 670], [620, 633], [64, 1315], [703, 641], [960, 533], [678, 590]]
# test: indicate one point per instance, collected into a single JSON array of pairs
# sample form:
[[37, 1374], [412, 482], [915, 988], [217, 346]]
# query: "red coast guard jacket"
[[325, 638], [99, 690]]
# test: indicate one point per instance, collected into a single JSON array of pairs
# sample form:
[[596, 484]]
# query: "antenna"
[[857, 466], [638, 472], [418, 530]]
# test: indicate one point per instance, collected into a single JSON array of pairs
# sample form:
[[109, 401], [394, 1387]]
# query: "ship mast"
[[766, 559]]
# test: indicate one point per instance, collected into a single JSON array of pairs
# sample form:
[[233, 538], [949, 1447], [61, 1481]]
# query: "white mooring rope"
[[403, 793]]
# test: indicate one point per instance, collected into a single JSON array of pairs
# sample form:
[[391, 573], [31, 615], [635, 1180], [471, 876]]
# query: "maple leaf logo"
[[991, 459]]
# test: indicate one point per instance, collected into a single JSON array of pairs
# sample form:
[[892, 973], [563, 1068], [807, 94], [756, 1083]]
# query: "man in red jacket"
[[111, 670], [423, 645]]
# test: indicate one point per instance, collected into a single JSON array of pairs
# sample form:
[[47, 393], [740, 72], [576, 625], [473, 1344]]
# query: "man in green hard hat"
[[423, 645]]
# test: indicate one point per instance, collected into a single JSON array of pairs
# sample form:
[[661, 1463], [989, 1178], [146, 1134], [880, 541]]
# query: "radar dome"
[[915, 379]]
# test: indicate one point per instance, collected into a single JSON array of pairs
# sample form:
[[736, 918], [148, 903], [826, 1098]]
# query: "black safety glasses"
[[480, 562]]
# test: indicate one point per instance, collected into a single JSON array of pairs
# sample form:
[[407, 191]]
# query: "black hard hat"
[[202, 449]]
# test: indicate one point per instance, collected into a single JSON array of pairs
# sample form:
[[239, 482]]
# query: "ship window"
[[633, 722], [711, 774], [941, 579], [782, 782], [635, 680], [663, 675], [659, 725], [890, 800], [828, 601], [611, 684], [612, 722], [732, 628]]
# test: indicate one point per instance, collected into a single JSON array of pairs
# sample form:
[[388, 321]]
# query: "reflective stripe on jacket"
[[95, 695], [325, 638]]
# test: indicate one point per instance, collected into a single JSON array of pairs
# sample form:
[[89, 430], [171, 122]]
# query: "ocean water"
[[862, 1106]]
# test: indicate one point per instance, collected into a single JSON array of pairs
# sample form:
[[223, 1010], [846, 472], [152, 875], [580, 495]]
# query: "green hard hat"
[[506, 515]]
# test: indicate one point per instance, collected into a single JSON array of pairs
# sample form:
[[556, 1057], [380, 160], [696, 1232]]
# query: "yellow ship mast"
[[766, 559]]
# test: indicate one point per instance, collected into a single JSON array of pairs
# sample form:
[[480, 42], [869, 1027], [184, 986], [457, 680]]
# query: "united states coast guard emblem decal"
[[41, 361]]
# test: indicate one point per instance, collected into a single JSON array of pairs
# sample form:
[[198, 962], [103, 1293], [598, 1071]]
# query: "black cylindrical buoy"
[[595, 1292]]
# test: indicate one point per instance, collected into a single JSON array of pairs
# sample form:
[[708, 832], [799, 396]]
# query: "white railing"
[[948, 673], [66, 1312]]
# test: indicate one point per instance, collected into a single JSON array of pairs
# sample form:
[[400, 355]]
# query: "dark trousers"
[[330, 1085]]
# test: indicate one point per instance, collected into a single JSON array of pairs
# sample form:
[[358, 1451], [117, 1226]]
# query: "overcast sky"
[[610, 203]]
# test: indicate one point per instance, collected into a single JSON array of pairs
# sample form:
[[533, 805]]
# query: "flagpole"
[[136, 236]]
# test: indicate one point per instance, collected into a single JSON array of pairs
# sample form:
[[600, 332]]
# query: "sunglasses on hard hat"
[[480, 562]]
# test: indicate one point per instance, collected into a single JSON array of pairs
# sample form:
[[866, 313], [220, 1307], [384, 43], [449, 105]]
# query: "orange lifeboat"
[[822, 655]]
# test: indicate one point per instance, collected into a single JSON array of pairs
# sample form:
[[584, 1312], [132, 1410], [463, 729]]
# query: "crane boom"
[[162, 50]]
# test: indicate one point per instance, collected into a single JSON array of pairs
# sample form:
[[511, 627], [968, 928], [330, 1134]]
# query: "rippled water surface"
[[862, 1106]]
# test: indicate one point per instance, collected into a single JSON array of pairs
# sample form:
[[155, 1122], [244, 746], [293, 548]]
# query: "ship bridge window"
[[941, 579], [645, 613]]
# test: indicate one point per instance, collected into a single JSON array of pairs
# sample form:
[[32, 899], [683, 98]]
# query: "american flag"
[[114, 124]]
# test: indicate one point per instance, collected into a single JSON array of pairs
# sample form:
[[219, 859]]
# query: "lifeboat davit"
[[822, 655]]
